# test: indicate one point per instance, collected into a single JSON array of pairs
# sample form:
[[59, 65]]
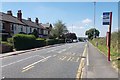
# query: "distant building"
[[10, 25]]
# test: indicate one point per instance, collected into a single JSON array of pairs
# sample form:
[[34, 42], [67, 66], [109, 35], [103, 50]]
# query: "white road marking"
[[77, 59], [27, 68], [87, 59], [69, 58], [63, 58], [36, 62], [72, 59], [21, 60], [73, 54], [54, 55], [62, 51], [51, 50]]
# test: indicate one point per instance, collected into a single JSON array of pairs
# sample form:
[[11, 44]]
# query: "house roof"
[[30, 23], [9, 18], [46, 25]]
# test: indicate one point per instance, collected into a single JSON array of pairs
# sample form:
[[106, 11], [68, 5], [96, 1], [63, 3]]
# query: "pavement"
[[54, 62], [97, 66]]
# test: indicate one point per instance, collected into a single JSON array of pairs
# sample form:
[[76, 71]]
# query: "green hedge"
[[54, 41], [6, 47], [22, 41]]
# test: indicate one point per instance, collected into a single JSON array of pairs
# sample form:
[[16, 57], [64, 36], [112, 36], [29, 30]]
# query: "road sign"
[[106, 18]]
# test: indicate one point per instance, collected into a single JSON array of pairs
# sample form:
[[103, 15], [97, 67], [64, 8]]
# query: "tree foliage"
[[91, 33], [35, 33], [59, 29], [70, 36]]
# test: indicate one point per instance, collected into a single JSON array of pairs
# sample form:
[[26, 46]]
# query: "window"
[[21, 29], [12, 27], [26, 29], [30, 29], [3, 26]]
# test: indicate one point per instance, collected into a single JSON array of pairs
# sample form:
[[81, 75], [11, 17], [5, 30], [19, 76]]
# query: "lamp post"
[[94, 16]]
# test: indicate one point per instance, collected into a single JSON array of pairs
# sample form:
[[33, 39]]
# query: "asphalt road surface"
[[54, 62]]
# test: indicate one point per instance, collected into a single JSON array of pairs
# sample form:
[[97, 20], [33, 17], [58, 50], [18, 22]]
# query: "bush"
[[54, 41], [40, 42], [6, 47], [10, 40], [23, 41], [61, 41], [49, 41]]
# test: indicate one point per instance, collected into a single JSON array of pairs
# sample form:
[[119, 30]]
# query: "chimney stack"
[[29, 19], [37, 21], [9, 12], [19, 15]]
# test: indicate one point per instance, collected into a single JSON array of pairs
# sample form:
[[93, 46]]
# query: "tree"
[[35, 33], [91, 34], [59, 29], [70, 36]]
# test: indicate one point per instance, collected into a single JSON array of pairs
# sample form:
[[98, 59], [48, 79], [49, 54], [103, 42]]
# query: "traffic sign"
[[106, 18]]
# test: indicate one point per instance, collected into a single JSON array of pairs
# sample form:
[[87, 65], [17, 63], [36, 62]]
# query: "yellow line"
[[81, 65], [24, 70]]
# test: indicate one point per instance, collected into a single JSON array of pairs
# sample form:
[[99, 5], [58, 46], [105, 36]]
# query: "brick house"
[[10, 25]]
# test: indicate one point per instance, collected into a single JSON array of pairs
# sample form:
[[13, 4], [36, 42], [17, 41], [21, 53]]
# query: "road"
[[54, 62]]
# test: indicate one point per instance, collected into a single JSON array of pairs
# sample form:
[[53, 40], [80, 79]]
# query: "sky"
[[77, 16]]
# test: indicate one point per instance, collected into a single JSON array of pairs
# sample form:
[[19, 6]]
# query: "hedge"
[[6, 47], [54, 41], [24, 41]]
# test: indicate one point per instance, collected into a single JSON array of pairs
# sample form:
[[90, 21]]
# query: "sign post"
[[107, 20]]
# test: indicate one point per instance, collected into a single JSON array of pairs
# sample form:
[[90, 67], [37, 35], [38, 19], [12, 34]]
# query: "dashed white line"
[[62, 51]]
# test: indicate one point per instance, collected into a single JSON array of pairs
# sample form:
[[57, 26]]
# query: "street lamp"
[[94, 16]]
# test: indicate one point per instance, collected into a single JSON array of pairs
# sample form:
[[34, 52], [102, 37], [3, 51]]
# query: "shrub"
[[61, 41], [49, 41], [23, 41], [10, 40], [40, 42], [6, 47], [54, 41]]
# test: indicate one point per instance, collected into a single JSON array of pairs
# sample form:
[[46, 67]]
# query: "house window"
[[15, 27], [12, 27], [3, 26], [30, 29], [26, 30], [21, 29]]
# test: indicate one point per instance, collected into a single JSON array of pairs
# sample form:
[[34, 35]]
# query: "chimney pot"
[[29, 19], [9, 12], [37, 20]]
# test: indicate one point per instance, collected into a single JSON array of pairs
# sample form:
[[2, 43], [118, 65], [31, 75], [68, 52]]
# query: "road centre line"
[[36, 62], [21, 60]]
